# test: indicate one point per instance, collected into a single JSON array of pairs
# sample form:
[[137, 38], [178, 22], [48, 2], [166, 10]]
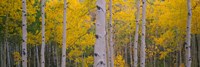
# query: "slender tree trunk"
[[54, 55], [8, 53], [154, 60], [2, 64], [64, 36], [111, 37], [180, 58], [126, 54], [197, 50], [100, 46], [34, 57], [188, 40], [49, 54], [130, 50], [37, 57], [29, 57], [136, 34], [24, 34], [57, 56], [143, 45], [108, 50], [4, 53], [177, 59], [43, 35]]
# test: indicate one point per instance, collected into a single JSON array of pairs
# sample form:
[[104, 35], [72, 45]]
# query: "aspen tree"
[[24, 34], [43, 34], [136, 34], [111, 37], [143, 45], [100, 46], [188, 36], [63, 63]]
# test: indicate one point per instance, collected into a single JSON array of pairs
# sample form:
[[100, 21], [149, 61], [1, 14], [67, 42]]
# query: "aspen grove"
[[99, 33]]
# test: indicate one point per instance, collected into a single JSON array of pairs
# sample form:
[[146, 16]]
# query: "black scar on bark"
[[110, 25], [22, 1], [98, 7], [97, 36], [101, 62], [190, 58], [24, 53], [189, 14], [24, 14], [95, 54]]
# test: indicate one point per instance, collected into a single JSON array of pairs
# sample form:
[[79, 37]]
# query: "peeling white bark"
[[24, 34], [188, 40], [136, 34], [63, 63], [43, 35], [100, 45], [143, 45]]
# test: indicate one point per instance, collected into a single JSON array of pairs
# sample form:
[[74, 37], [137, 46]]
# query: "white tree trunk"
[[100, 45], [37, 57], [63, 63], [111, 37], [188, 40], [136, 34], [143, 45], [24, 34], [43, 35]]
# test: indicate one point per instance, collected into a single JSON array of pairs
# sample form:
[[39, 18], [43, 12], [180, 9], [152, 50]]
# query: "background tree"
[[24, 34], [143, 43], [64, 36], [43, 34], [137, 13]]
